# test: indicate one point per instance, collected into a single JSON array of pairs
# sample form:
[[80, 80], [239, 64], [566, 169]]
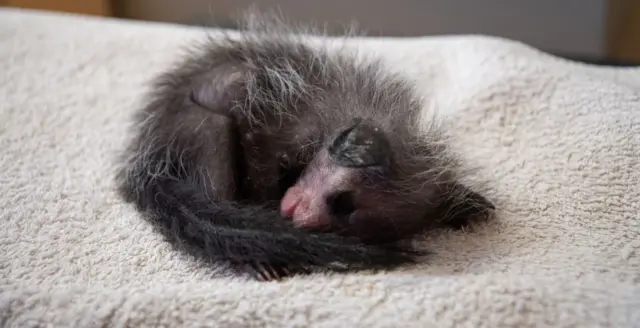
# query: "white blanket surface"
[[557, 143]]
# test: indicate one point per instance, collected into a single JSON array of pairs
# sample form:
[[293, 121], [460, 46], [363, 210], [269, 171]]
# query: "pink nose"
[[290, 201], [304, 209]]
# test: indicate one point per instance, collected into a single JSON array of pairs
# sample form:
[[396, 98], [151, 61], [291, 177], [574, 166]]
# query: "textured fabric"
[[557, 144]]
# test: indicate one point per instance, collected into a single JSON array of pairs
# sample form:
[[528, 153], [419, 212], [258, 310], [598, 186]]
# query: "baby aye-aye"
[[278, 157]]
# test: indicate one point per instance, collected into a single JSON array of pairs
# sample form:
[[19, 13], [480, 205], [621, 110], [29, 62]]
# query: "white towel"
[[557, 142]]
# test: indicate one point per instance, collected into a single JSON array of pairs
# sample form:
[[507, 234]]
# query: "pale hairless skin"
[[307, 202]]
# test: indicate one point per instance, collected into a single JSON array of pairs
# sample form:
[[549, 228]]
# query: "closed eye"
[[341, 204]]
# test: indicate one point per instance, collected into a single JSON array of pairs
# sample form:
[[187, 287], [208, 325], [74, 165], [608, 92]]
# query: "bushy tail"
[[254, 240]]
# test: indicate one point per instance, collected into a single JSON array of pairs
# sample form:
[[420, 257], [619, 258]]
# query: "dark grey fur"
[[226, 131]]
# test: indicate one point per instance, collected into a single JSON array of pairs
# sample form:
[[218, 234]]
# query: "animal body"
[[278, 157]]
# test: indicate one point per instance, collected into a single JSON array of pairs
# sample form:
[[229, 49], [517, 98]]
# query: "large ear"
[[463, 206], [219, 90], [360, 145]]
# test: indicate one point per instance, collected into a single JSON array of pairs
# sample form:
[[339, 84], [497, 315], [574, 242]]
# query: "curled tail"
[[252, 239]]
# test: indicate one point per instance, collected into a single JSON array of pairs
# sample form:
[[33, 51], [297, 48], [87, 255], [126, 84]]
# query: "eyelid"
[[341, 203]]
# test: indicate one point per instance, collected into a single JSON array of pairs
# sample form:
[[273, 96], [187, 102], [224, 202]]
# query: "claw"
[[271, 272]]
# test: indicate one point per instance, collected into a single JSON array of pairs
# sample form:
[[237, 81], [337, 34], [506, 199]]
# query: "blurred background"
[[597, 31]]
